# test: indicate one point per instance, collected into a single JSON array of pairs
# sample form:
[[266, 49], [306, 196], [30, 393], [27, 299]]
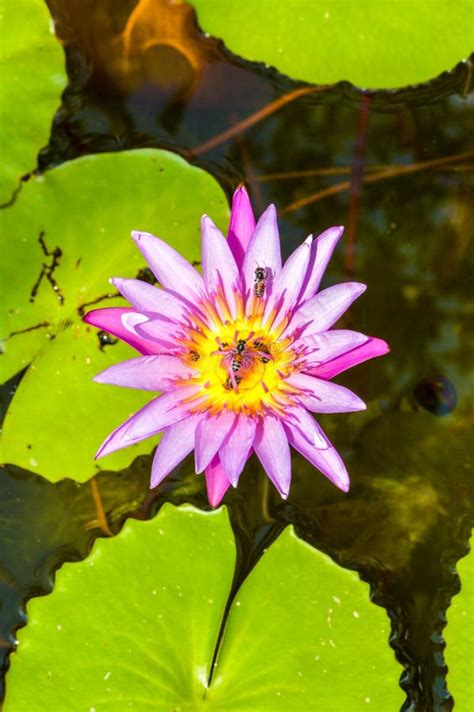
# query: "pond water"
[[395, 167]]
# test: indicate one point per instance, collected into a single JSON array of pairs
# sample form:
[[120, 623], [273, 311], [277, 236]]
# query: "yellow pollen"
[[241, 364]]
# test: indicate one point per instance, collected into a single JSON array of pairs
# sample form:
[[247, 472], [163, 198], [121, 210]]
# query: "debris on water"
[[437, 395]]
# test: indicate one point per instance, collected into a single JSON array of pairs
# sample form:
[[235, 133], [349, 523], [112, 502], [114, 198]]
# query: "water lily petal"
[[177, 442], [236, 447], [263, 251], [372, 348], [216, 481], [161, 330], [219, 268], [287, 284], [169, 267], [271, 447], [321, 252], [242, 224], [210, 433], [149, 373], [328, 345], [308, 427], [147, 298], [306, 436], [322, 396], [157, 415], [121, 322], [323, 310]]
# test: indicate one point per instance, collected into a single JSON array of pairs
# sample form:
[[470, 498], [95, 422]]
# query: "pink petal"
[[328, 345], [219, 268], [322, 396], [216, 481], [308, 438], [271, 447], [321, 252], [150, 373], [146, 298], [210, 434], [308, 427], [372, 348], [236, 448], [242, 224], [171, 269], [157, 415], [323, 310], [263, 250], [121, 322], [167, 333], [287, 284], [177, 442]]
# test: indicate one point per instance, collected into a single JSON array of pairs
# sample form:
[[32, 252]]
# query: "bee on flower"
[[241, 355], [259, 283]]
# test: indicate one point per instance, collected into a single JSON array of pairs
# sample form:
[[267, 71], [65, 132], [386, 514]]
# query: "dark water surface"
[[397, 168]]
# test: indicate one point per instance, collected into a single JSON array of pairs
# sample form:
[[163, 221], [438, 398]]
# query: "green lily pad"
[[138, 623], [58, 391], [459, 636], [83, 212], [375, 43], [33, 77]]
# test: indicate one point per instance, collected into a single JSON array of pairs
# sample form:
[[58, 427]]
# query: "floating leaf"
[[58, 390], [138, 622], [33, 77], [302, 631], [371, 44], [459, 637], [68, 232]]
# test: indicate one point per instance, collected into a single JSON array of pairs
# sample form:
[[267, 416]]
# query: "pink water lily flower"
[[240, 354]]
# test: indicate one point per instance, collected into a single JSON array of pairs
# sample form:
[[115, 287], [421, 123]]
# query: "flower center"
[[241, 366]]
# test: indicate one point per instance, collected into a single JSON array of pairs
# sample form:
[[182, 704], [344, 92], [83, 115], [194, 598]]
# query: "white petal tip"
[[139, 236], [207, 223], [283, 491], [334, 233], [358, 405]]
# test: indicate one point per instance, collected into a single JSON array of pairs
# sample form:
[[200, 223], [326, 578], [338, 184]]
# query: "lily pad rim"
[[464, 63]]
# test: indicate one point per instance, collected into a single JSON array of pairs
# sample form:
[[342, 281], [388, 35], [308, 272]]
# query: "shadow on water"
[[395, 167]]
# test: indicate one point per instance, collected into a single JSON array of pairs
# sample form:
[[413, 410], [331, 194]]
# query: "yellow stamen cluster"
[[241, 363]]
